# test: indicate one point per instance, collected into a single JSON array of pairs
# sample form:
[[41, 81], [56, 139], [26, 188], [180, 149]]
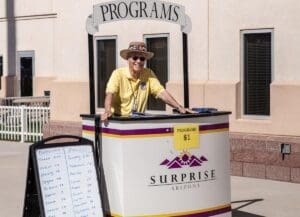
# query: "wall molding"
[[30, 17]]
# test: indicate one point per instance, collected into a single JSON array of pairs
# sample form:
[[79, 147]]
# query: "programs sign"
[[130, 9]]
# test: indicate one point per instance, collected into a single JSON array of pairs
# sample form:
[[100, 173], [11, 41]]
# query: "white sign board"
[[68, 181]]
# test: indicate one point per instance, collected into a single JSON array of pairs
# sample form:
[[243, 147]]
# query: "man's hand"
[[183, 110], [104, 117], [107, 106]]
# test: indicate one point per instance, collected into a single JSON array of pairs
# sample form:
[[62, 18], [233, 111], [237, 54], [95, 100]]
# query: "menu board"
[[68, 181]]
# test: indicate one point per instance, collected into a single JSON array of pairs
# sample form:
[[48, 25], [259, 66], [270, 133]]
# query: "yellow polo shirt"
[[128, 90]]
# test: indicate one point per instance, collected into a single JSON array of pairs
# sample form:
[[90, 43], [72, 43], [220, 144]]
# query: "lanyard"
[[135, 95]]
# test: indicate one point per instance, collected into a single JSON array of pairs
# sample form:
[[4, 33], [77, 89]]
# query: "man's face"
[[136, 62]]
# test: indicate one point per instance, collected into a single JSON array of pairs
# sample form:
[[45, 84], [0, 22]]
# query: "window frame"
[[1, 74], [1, 56], [160, 35], [98, 38], [242, 57]]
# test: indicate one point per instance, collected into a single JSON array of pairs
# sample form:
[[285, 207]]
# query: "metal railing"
[[23, 123], [27, 100]]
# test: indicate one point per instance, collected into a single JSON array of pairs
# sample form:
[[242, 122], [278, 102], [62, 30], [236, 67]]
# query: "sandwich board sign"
[[62, 179]]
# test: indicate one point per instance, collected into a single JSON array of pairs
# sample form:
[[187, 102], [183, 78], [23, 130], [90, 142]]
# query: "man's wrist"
[[107, 111], [179, 107]]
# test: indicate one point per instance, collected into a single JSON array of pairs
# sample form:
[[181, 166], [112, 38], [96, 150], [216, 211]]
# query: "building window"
[[106, 63], [158, 44], [1, 70], [257, 72]]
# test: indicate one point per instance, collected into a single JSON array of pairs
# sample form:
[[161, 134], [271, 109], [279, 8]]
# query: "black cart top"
[[149, 116]]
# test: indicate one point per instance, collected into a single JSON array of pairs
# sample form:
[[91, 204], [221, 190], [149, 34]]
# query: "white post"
[[23, 122]]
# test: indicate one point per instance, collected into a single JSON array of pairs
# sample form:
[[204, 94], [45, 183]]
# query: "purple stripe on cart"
[[88, 128], [214, 126], [152, 131], [137, 131]]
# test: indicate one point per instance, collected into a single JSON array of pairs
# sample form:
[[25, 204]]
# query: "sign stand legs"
[[98, 150], [31, 202]]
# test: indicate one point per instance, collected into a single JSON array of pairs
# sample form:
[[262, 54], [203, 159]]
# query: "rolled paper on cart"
[[138, 114], [204, 110]]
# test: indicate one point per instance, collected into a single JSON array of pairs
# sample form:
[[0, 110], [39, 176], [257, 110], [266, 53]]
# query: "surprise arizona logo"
[[184, 171], [185, 159]]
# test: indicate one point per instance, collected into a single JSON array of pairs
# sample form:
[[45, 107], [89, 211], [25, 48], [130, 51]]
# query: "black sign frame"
[[33, 186]]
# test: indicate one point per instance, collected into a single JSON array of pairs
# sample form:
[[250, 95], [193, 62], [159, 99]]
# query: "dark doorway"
[[159, 64], [26, 71], [106, 63]]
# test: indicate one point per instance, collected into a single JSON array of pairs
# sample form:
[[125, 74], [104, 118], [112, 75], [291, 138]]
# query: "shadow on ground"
[[237, 213]]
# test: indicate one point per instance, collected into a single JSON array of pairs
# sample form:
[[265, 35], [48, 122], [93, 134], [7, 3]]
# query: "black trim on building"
[[185, 70], [91, 74]]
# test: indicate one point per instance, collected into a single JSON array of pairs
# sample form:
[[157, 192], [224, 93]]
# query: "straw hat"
[[136, 48]]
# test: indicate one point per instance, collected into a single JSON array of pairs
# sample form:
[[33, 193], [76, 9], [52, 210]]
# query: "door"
[[25, 72], [26, 76]]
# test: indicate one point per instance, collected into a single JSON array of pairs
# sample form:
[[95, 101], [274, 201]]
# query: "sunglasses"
[[135, 58]]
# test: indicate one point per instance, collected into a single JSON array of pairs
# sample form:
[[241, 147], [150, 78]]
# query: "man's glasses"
[[135, 58]]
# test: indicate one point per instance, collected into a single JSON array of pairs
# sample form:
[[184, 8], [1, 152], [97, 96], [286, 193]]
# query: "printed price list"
[[69, 182]]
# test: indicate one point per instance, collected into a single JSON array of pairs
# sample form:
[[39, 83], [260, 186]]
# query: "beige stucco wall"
[[285, 102], [71, 40], [8, 86], [3, 48], [34, 28], [41, 84], [69, 99], [228, 18]]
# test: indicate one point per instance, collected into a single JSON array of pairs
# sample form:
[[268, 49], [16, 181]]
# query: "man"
[[128, 88]]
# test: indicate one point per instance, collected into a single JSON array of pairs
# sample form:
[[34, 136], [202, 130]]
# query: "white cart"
[[169, 165]]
